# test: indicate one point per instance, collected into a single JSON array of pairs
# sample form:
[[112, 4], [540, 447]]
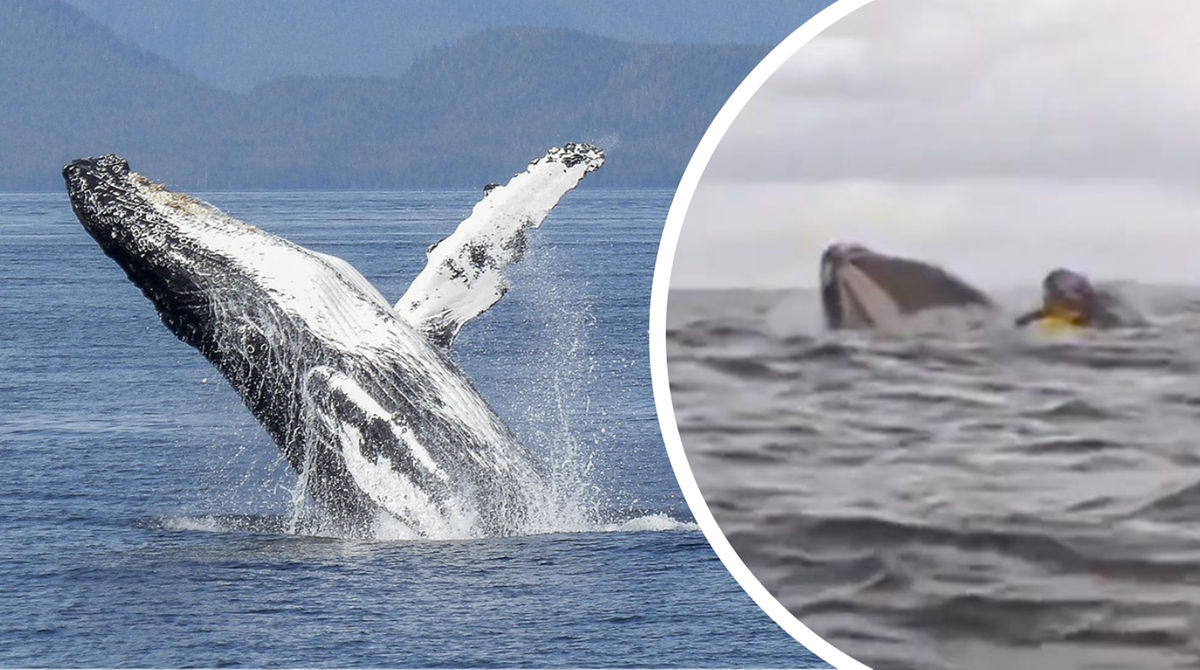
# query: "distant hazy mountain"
[[69, 87], [236, 44], [461, 115]]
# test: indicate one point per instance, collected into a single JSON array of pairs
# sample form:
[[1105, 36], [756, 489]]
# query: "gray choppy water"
[[990, 499]]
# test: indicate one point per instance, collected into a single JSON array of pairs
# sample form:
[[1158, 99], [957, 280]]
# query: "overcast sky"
[[999, 138]]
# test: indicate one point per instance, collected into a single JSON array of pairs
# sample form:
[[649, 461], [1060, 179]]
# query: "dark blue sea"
[[143, 510]]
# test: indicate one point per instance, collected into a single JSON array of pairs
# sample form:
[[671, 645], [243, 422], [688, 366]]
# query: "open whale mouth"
[[864, 289], [850, 294]]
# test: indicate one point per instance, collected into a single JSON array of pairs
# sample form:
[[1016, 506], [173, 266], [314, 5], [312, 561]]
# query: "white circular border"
[[658, 329]]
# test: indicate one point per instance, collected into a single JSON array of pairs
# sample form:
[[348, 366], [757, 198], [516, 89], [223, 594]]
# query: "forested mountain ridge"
[[463, 114], [236, 45]]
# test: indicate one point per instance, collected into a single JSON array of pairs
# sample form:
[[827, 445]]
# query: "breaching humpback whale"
[[1070, 300], [864, 289], [362, 397]]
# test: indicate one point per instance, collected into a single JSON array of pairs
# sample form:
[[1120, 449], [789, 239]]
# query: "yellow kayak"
[[1056, 325]]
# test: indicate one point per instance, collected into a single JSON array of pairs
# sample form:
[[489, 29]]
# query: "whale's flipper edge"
[[464, 275]]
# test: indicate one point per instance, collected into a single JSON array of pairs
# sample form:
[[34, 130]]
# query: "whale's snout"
[[73, 169], [835, 258], [102, 195], [94, 185], [78, 174], [94, 169]]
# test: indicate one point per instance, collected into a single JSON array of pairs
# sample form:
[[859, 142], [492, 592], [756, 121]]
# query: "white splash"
[[650, 523]]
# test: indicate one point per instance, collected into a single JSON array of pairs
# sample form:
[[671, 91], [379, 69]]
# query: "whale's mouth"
[[852, 293], [864, 289]]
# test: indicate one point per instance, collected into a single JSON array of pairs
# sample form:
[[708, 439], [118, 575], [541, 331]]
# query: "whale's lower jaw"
[[371, 415]]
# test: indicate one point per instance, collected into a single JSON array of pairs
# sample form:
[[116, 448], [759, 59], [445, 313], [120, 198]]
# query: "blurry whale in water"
[[361, 396], [1070, 300], [864, 289]]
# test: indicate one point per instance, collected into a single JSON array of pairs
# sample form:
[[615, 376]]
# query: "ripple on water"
[[985, 500]]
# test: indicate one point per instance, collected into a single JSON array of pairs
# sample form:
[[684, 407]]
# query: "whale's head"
[[129, 217], [227, 288], [839, 304], [861, 288], [104, 195]]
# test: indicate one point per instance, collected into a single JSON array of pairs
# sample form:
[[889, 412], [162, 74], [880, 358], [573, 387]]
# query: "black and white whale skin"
[[862, 289], [362, 397]]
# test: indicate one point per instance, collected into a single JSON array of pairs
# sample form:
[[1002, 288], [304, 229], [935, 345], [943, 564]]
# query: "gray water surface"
[[969, 499]]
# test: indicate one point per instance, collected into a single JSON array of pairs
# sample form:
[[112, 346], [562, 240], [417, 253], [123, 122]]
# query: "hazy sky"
[[237, 44], [999, 138]]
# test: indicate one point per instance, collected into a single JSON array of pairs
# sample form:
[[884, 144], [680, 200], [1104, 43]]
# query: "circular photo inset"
[[931, 334]]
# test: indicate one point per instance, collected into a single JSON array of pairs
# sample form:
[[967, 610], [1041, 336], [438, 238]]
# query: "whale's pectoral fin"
[[464, 276], [377, 448]]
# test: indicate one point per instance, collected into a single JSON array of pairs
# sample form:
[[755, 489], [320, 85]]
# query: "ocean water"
[[978, 499], [144, 513]]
